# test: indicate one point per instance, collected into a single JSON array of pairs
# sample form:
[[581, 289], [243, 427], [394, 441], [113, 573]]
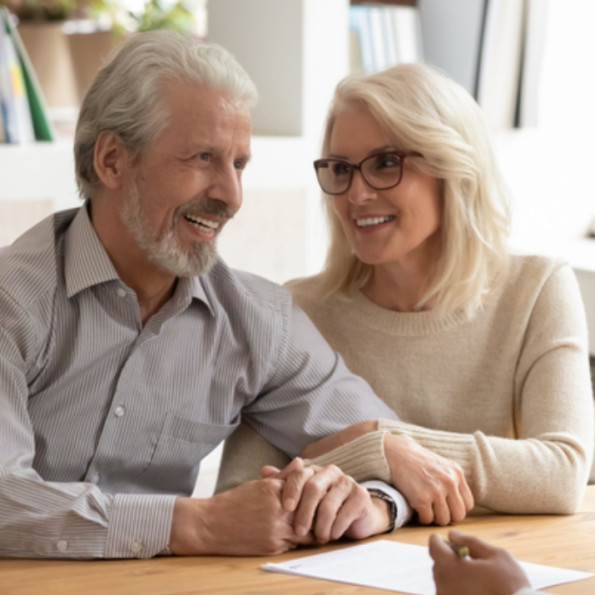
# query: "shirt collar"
[[189, 288], [86, 263]]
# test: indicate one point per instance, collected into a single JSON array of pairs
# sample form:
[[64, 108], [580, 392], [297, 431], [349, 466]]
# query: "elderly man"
[[129, 350]]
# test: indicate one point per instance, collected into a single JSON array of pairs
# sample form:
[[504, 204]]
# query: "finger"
[[352, 509], [269, 471], [341, 506], [477, 547], [456, 506], [438, 548], [467, 495], [326, 514], [441, 511], [425, 513], [295, 475], [293, 487], [312, 494], [296, 464]]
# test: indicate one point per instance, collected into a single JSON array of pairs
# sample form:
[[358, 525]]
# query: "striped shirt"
[[105, 421]]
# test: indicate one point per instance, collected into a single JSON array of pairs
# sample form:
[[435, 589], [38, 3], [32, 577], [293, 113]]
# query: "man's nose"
[[229, 188]]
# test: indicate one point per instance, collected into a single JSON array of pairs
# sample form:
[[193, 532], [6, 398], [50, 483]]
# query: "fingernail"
[[301, 530]]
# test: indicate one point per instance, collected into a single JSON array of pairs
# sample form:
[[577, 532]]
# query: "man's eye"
[[205, 156], [240, 164]]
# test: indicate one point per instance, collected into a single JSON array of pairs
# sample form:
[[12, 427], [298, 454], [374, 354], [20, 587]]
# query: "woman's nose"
[[360, 191]]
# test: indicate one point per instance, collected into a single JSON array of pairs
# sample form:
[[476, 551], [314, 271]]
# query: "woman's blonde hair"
[[425, 111]]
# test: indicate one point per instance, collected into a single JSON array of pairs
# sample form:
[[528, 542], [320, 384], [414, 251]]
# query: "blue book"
[[359, 23]]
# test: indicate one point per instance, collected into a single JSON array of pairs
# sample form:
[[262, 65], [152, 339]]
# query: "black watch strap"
[[392, 507]]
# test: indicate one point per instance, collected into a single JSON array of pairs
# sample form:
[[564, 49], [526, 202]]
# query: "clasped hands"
[[298, 505], [434, 486]]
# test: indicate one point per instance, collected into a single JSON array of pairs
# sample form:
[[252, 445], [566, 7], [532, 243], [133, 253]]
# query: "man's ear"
[[111, 159]]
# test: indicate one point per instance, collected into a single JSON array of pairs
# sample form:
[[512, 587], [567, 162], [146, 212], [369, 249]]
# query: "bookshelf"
[[296, 51]]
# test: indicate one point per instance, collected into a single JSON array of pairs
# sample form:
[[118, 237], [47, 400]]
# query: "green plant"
[[156, 14], [41, 10]]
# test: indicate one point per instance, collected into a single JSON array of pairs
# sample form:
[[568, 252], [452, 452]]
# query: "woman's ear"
[[111, 159]]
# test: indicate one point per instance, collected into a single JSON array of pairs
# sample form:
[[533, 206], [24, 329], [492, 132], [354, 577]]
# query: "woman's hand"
[[434, 486]]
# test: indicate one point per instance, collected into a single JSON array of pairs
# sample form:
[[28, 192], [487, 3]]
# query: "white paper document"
[[398, 566]]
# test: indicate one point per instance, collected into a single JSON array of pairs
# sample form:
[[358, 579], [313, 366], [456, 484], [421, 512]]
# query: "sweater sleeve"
[[244, 453], [362, 458], [544, 469]]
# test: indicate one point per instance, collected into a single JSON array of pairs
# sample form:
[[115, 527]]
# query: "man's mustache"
[[208, 206]]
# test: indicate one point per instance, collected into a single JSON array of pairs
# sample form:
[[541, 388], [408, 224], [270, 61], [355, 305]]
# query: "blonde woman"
[[482, 353]]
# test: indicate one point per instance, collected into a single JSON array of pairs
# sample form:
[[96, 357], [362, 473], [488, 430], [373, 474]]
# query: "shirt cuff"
[[404, 511], [139, 525]]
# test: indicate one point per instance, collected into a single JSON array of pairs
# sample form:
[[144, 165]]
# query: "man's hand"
[[488, 570], [329, 503], [246, 521], [434, 486]]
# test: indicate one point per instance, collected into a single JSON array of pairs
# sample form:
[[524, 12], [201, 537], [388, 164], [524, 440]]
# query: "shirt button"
[[94, 478], [119, 411], [62, 545], [136, 547], [121, 292]]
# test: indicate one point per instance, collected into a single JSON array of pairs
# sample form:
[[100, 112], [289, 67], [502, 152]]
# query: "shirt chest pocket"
[[180, 448]]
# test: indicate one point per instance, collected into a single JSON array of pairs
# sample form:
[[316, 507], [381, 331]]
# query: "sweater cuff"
[[362, 458]]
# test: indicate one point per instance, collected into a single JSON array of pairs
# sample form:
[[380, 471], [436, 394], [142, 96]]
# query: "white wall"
[[450, 34]]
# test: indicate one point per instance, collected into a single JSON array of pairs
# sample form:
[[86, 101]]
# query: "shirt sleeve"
[[310, 393], [43, 519], [404, 511]]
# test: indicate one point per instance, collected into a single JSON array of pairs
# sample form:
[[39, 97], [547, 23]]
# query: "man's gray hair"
[[126, 95]]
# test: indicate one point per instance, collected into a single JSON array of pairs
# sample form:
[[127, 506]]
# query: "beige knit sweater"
[[506, 394]]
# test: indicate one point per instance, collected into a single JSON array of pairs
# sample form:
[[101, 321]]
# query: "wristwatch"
[[392, 507]]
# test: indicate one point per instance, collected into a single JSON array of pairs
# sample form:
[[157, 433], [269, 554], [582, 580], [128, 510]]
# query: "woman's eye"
[[387, 160], [340, 169]]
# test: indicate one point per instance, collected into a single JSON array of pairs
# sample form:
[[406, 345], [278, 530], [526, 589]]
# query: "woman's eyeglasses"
[[381, 171]]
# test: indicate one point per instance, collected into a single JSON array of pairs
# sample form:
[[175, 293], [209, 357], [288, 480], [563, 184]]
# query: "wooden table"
[[566, 541]]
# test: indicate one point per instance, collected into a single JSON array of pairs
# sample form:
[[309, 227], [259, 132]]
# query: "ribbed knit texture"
[[506, 394]]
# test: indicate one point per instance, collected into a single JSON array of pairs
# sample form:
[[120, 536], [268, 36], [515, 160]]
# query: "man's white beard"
[[164, 250]]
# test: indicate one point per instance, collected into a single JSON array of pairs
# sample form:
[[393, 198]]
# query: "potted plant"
[[68, 40]]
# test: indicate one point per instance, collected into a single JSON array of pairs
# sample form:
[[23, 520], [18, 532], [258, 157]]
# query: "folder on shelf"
[[27, 92], [8, 107]]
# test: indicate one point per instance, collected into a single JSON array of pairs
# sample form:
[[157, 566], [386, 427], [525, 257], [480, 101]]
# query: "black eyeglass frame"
[[402, 155]]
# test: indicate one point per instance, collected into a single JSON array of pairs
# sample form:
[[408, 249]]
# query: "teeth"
[[368, 221], [204, 222]]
